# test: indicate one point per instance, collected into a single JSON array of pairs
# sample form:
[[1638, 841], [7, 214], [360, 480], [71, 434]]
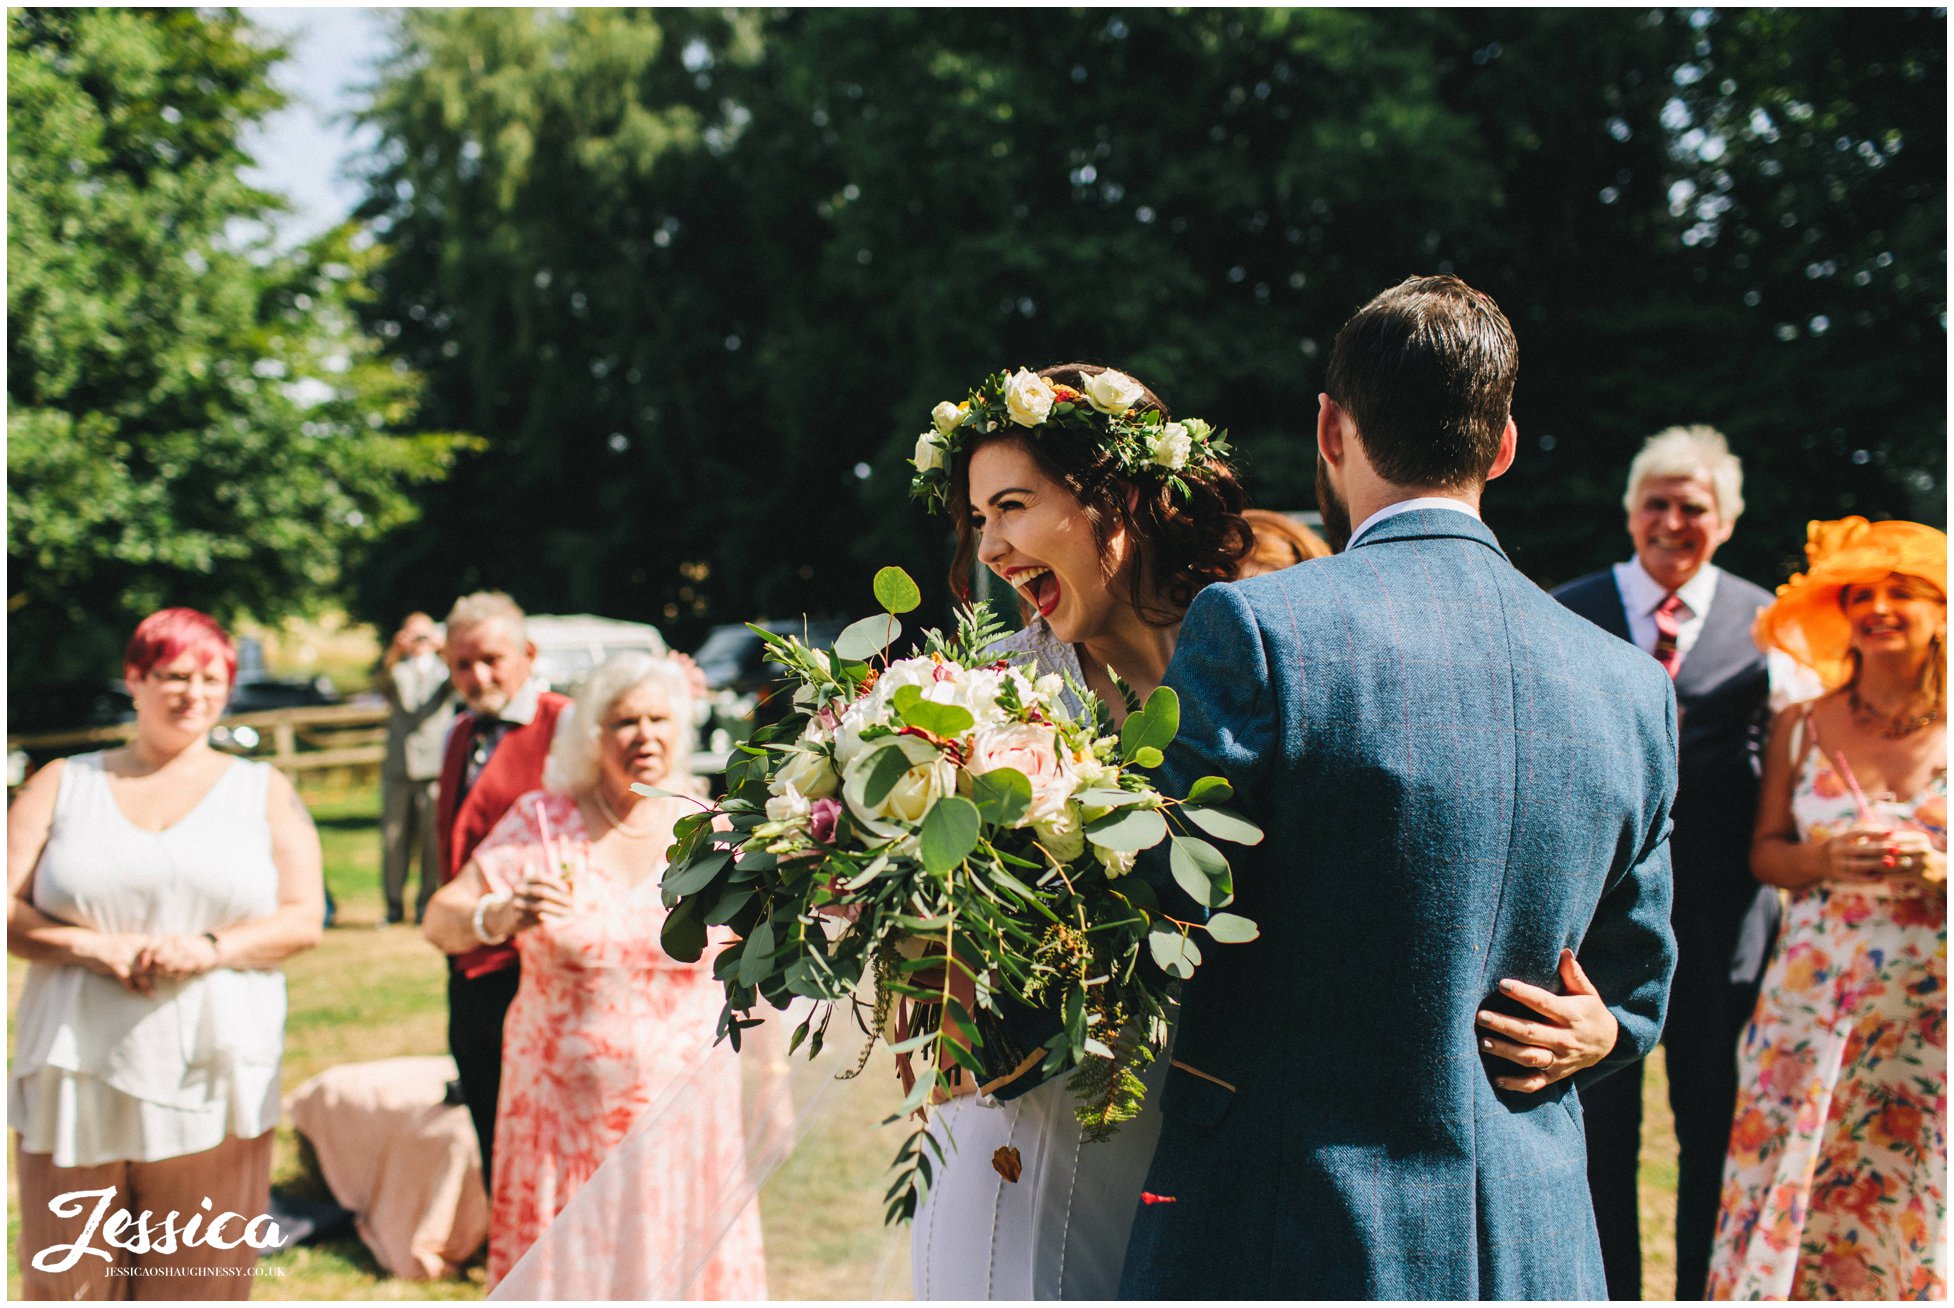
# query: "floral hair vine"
[[1143, 444]]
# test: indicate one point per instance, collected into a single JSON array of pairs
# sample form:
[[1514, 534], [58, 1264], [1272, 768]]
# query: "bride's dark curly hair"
[[1179, 548]]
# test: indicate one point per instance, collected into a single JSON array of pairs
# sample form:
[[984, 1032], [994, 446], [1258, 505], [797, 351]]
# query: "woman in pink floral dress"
[[1834, 1184], [606, 1029]]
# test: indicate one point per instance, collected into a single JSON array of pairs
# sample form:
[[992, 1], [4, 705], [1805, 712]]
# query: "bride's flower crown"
[[1143, 444]]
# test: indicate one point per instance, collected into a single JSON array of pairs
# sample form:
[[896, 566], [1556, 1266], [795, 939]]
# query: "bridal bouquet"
[[941, 824]]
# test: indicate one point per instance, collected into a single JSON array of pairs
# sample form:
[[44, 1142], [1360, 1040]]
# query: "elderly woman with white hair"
[[605, 1027]]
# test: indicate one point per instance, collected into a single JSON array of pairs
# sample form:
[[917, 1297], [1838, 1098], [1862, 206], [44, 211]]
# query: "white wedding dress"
[[1060, 1230]]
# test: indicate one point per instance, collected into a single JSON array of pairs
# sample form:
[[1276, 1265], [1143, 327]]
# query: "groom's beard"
[[1336, 513]]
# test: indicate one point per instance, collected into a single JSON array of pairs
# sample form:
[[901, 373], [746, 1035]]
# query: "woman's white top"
[[102, 1074]]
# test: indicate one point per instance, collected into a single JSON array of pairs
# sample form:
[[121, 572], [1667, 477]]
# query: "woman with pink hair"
[[155, 889]]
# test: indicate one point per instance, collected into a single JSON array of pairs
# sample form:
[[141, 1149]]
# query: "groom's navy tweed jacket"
[[1458, 777]]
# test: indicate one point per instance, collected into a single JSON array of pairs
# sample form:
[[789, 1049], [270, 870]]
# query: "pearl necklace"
[[618, 824]]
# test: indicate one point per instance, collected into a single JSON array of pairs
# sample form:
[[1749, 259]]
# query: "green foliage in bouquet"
[[943, 824]]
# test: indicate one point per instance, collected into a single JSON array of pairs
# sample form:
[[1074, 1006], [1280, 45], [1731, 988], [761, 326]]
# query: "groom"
[[1458, 778]]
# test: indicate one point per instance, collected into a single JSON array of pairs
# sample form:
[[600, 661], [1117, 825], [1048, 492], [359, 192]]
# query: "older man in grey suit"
[[1461, 781], [1685, 492], [421, 708]]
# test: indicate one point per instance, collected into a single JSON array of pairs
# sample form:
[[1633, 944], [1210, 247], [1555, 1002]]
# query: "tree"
[[193, 418], [699, 279]]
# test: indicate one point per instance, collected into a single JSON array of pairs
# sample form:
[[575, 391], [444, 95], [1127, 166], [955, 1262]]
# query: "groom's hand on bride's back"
[[1563, 1034]]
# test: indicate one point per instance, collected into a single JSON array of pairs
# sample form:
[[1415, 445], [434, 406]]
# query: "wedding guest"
[[1684, 496], [1280, 542], [495, 753], [1834, 1188], [420, 704], [605, 1024], [154, 889]]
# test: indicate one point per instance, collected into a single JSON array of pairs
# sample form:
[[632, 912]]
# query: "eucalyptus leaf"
[[887, 769], [906, 698], [1210, 790], [695, 874], [1232, 929], [1176, 954], [1130, 830], [946, 720], [861, 641], [683, 935], [1003, 796], [756, 955], [1107, 797], [1147, 757], [728, 906], [950, 831], [1201, 870], [1153, 726], [1224, 824], [895, 591]]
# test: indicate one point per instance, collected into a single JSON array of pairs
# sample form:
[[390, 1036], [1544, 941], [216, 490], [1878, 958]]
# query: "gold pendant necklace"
[[1896, 726]]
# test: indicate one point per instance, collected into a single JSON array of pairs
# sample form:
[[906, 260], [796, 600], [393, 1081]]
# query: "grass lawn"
[[367, 994]]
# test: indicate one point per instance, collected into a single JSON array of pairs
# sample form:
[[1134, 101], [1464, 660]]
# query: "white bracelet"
[[482, 907]]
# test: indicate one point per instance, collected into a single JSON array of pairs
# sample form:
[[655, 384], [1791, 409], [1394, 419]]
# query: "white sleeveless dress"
[[101, 1074], [1060, 1230]]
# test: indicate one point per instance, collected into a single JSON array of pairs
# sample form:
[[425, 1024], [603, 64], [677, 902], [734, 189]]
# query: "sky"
[[301, 149]]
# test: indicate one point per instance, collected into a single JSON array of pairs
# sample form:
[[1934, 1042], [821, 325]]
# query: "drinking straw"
[[1859, 797], [1852, 783]]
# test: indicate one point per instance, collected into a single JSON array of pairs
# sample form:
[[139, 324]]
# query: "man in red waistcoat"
[[495, 753]]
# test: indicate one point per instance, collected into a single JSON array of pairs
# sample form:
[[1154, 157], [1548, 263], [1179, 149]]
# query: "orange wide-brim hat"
[[1807, 622]]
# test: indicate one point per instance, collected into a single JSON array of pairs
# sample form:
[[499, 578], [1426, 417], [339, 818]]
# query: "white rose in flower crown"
[[929, 454], [1029, 397], [946, 416], [930, 777], [808, 773], [1063, 833], [1112, 393], [1171, 446], [1033, 750]]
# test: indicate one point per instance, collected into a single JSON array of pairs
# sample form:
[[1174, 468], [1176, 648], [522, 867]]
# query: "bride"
[[1104, 555], [1105, 540]]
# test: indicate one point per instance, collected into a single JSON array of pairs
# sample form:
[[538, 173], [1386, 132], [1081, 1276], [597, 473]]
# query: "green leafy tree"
[[699, 279], [193, 417]]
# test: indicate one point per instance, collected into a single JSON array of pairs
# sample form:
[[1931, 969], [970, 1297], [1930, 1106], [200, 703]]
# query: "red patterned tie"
[[1667, 629]]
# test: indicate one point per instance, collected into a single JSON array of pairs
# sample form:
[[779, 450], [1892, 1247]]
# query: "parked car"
[[569, 647], [743, 679]]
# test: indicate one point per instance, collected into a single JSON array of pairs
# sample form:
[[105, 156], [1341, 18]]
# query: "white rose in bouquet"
[[929, 454], [1029, 397], [1031, 749], [946, 416], [1171, 446], [1091, 773], [1117, 862], [808, 773], [1112, 393], [930, 777], [1063, 834], [789, 808]]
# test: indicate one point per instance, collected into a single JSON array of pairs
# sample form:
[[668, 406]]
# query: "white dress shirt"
[[1642, 594], [1406, 506]]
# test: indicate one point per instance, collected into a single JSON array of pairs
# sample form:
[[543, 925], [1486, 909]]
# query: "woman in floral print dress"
[[607, 1029], [1834, 1184]]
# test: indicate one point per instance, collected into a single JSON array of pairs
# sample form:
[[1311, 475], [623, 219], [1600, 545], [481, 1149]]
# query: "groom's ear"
[[1509, 448], [1330, 428]]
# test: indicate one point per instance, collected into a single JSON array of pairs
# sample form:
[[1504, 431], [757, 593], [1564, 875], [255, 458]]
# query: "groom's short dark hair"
[[1426, 371]]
